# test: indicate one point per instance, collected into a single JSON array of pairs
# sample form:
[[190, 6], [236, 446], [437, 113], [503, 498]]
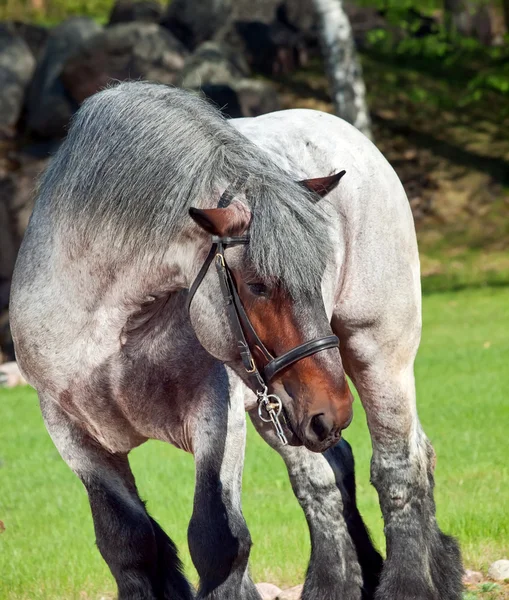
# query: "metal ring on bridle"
[[276, 406]]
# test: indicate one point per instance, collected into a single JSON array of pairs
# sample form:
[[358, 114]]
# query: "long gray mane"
[[138, 155]]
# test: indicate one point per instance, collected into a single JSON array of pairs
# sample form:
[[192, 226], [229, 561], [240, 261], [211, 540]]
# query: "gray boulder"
[[218, 73], [126, 51], [126, 11], [212, 64], [17, 191], [196, 21], [256, 97], [499, 570], [16, 69], [272, 34], [17, 195], [49, 107], [35, 36]]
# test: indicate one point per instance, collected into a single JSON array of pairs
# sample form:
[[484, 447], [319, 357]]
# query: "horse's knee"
[[403, 472]]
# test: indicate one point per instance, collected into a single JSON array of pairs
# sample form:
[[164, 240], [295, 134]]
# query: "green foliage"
[[488, 587], [482, 69], [52, 12], [424, 6], [47, 550]]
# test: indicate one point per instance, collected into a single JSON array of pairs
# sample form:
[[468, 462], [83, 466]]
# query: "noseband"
[[259, 376]]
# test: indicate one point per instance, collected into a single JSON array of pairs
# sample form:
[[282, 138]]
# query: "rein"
[[269, 405]]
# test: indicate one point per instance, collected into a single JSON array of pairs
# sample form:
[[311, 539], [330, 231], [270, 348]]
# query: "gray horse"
[[102, 332]]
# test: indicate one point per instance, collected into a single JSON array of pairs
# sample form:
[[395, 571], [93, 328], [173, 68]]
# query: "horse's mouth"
[[291, 435]]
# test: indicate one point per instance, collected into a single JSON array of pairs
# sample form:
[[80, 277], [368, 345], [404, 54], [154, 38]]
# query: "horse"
[[128, 334]]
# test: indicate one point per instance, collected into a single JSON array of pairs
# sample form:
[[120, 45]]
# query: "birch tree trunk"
[[342, 64]]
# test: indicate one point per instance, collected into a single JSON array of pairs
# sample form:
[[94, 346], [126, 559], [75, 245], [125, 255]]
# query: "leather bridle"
[[259, 375]]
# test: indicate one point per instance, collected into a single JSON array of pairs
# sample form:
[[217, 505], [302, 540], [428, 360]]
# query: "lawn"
[[47, 549]]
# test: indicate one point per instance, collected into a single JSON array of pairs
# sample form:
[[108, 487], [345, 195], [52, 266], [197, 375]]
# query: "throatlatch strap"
[[201, 274]]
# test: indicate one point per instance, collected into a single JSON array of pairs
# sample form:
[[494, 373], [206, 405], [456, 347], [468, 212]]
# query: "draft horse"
[[151, 189]]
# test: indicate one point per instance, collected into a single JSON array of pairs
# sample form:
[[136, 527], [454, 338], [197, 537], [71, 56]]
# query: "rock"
[[293, 593], [49, 107], [35, 36], [273, 49], [17, 65], [299, 15], [499, 570], [472, 577], [126, 11], [256, 97], [196, 21], [125, 51], [268, 591], [10, 375], [212, 64], [215, 71], [17, 194]]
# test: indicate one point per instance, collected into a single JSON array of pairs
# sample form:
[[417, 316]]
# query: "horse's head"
[[273, 320]]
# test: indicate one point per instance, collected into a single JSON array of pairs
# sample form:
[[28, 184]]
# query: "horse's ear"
[[322, 185], [233, 220]]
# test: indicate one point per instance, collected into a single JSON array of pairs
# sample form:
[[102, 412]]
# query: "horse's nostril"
[[321, 426]]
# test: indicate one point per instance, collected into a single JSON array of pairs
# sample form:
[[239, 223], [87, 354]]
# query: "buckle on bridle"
[[253, 366]]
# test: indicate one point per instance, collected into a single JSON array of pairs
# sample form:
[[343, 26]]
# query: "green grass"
[[47, 550]]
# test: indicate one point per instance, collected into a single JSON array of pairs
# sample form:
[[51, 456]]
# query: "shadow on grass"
[[497, 168], [432, 284]]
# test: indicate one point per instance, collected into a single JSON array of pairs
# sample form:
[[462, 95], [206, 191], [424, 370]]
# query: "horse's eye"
[[258, 289]]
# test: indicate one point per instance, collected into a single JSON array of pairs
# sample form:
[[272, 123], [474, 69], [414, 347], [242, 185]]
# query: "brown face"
[[316, 398]]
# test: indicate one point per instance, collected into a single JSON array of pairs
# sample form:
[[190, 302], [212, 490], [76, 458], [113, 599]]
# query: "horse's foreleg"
[[141, 557], [343, 563], [219, 540], [422, 563]]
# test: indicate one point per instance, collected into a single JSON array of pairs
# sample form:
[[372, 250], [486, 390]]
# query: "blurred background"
[[428, 81]]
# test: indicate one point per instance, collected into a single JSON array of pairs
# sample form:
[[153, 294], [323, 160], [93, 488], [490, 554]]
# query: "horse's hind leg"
[[141, 557], [219, 540], [341, 460], [343, 563]]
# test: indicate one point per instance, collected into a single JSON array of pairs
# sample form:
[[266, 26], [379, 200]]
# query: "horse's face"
[[317, 402]]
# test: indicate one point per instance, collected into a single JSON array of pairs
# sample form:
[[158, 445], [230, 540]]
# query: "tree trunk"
[[342, 64]]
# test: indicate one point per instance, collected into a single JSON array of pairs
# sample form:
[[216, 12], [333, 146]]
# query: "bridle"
[[259, 376]]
